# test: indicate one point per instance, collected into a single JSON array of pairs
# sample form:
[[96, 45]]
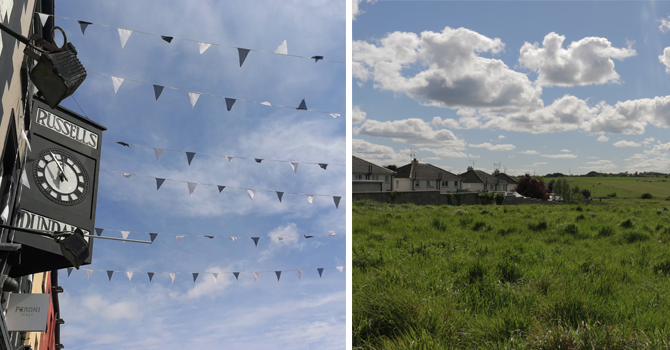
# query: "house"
[[369, 177], [481, 181], [417, 176], [502, 177]]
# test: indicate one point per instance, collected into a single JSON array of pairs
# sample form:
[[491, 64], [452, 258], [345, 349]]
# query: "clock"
[[60, 176]]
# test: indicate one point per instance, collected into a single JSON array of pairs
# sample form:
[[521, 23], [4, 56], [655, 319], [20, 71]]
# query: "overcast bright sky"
[[541, 87], [288, 314]]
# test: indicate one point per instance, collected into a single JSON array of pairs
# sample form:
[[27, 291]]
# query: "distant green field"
[[511, 277], [624, 187]]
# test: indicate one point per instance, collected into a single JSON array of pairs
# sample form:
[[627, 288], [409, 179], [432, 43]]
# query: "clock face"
[[60, 176]]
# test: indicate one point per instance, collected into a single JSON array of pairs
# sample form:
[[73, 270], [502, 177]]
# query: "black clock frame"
[[47, 193]]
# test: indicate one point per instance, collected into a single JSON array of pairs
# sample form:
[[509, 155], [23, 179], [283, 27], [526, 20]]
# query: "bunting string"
[[158, 152], [193, 96], [124, 34], [153, 235], [195, 275], [250, 191]]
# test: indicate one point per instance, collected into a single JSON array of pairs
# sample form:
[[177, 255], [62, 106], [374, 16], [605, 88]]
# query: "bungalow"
[[369, 177], [417, 176], [481, 181]]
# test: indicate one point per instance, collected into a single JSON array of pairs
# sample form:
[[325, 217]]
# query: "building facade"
[[417, 176], [369, 177]]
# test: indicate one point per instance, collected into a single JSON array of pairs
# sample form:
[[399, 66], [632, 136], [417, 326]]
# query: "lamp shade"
[[57, 76]]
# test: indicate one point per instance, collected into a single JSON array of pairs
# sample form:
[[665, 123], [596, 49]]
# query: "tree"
[[530, 187], [586, 193], [391, 167], [562, 189], [550, 186]]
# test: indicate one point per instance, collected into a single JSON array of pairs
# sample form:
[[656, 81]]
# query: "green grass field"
[[512, 277], [624, 187]]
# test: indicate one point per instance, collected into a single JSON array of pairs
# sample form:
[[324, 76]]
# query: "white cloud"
[[665, 25], [357, 115], [644, 163], [559, 155], [648, 140], [291, 241], [454, 75], [447, 153], [413, 131], [539, 163], [111, 310], [490, 147], [530, 152], [665, 59], [208, 286], [584, 62], [355, 8], [603, 138], [623, 143], [565, 150], [378, 154], [602, 164], [501, 137], [664, 147]]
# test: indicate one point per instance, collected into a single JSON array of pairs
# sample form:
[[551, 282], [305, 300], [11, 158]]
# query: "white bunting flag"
[[251, 193], [124, 34], [193, 96], [334, 115], [203, 47], [127, 175], [172, 276], [24, 179], [116, 81], [233, 239], [89, 273], [310, 198], [179, 238], [256, 275], [25, 138], [266, 103], [216, 276], [130, 275], [294, 165], [339, 268], [230, 158], [191, 187], [125, 234], [332, 233], [282, 49], [5, 214], [43, 18], [158, 152], [299, 272]]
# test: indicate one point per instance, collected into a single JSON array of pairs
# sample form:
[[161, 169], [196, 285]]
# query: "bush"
[[586, 193], [612, 195], [540, 225], [647, 196], [500, 198], [533, 188], [458, 198], [449, 201], [486, 198]]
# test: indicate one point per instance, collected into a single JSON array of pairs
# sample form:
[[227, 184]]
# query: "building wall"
[[473, 187], [436, 198], [387, 180]]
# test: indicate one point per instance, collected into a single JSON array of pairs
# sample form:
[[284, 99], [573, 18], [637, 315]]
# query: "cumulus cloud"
[[665, 25], [559, 155], [539, 163], [490, 147], [378, 154], [413, 131], [648, 141], [665, 59], [453, 74], [565, 150], [584, 62], [288, 233], [447, 153], [663, 147], [602, 164], [623, 143], [603, 138], [111, 310], [501, 137], [357, 115], [355, 9], [529, 152]]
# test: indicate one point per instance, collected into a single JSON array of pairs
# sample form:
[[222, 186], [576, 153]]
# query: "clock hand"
[[59, 166]]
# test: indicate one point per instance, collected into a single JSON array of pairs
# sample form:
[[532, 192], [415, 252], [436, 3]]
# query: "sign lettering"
[[64, 127], [38, 222]]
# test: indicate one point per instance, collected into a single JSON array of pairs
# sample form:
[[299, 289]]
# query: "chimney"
[[470, 168]]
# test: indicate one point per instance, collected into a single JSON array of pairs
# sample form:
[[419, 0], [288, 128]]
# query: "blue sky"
[[289, 314], [540, 87]]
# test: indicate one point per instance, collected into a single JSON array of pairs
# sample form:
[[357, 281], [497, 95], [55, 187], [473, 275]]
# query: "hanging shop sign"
[[27, 312]]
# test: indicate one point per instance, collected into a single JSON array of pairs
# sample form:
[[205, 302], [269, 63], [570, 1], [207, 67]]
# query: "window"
[[417, 183], [358, 177], [397, 183], [386, 179], [374, 177], [455, 183], [429, 183]]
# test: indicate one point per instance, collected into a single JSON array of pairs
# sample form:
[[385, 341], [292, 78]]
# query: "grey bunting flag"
[[158, 152], [191, 187], [279, 195], [98, 231], [255, 240], [303, 105], [237, 275], [278, 274], [153, 236], [323, 166], [109, 274], [336, 199], [69, 271], [151, 276], [229, 103], [317, 58], [220, 188], [189, 157], [320, 269], [258, 160], [168, 39], [159, 183], [243, 55], [158, 90], [84, 25], [195, 276]]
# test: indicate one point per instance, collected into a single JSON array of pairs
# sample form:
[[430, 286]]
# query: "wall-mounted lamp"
[[56, 289], [60, 321]]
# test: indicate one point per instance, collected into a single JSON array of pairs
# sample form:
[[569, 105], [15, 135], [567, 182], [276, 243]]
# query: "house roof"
[[507, 178], [478, 176], [359, 165], [424, 171]]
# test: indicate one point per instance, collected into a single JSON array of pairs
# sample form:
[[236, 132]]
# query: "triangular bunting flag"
[[189, 157], [258, 160], [191, 187], [279, 195], [216, 276], [69, 271], [255, 240], [306, 236], [84, 25], [203, 47], [317, 58], [116, 81], [195, 276], [281, 238], [310, 198], [339, 268], [266, 103], [153, 236], [159, 183], [98, 231], [167, 38], [125, 234], [237, 275], [179, 238], [278, 274], [320, 269], [193, 96], [323, 166], [334, 115], [5, 214], [251, 193], [294, 165], [151, 276], [303, 105], [158, 90], [233, 239], [220, 188], [299, 272], [172, 276], [127, 175], [109, 274], [243, 55], [229, 103], [158, 152], [332, 233], [23, 136], [230, 158], [282, 49], [210, 237], [336, 199], [89, 273], [123, 144], [24, 179], [124, 34], [256, 275], [130, 275]]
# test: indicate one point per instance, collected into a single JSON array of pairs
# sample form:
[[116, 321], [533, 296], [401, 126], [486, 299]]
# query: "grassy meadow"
[[626, 188], [512, 277]]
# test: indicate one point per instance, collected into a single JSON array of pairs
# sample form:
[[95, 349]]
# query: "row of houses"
[[415, 176]]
